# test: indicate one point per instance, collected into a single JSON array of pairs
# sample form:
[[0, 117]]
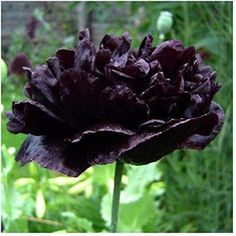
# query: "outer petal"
[[73, 156], [148, 147], [52, 154], [99, 129], [32, 117], [101, 144], [198, 141]]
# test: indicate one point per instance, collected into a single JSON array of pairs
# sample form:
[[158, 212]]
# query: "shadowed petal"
[[32, 117], [102, 58], [198, 141], [100, 128], [54, 65], [120, 104], [52, 154], [80, 92], [149, 147], [66, 58], [168, 54], [145, 48], [84, 54], [42, 86]]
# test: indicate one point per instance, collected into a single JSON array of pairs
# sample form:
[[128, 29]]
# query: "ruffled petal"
[[200, 141], [84, 53], [30, 117], [102, 58], [117, 45], [66, 58], [99, 129], [148, 147], [52, 154], [120, 105], [54, 65], [42, 86], [168, 54], [145, 48], [80, 93]]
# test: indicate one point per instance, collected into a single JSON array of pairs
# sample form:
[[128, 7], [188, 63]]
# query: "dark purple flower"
[[89, 106], [17, 64], [31, 27]]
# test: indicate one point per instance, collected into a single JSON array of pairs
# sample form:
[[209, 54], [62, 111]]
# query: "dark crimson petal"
[[101, 147], [42, 87], [100, 128], [120, 61], [102, 58], [30, 117], [80, 94], [120, 104], [198, 141], [138, 69], [188, 55], [145, 48], [117, 45], [13, 125], [66, 58], [84, 53], [52, 154], [84, 34], [155, 125], [168, 54], [149, 147], [54, 65]]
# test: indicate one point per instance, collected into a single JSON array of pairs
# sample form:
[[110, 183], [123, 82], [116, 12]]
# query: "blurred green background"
[[189, 191]]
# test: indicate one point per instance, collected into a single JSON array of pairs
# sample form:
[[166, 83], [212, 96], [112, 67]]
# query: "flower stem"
[[116, 195]]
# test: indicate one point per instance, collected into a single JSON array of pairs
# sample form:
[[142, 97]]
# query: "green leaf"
[[134, 216], [21, 182], [138, 178], [40, 204], [106, 208], [103, 173], [62, 181], [80, 187], [79, 224]]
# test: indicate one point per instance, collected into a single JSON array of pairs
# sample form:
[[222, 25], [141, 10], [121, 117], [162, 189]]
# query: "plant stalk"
[[116, 195]]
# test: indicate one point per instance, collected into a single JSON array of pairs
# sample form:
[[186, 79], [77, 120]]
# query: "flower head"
[[31, 27], [89, 106], [17, 64]]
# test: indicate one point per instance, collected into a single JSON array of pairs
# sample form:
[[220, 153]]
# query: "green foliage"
[[188, 191]]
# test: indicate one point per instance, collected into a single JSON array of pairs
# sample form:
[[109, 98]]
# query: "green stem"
[[116, 195]]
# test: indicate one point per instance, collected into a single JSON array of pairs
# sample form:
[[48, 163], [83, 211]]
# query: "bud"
[[164, 22], [17, 64]]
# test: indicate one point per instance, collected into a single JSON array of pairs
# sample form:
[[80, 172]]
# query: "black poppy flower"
[[31, 26], [18, 62], [88, 106]]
